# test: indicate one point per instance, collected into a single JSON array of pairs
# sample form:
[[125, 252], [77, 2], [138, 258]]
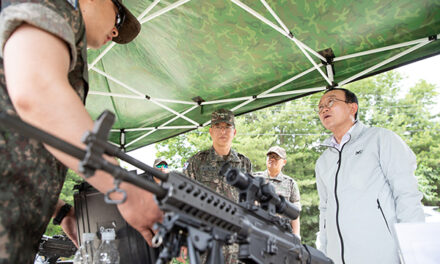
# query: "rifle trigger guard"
[[107, 198]]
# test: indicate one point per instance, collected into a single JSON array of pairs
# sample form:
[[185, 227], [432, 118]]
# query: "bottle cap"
[[108, 234]]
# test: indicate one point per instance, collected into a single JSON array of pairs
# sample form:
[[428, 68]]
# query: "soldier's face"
[[100, 18], [275, 162], [222, 133]]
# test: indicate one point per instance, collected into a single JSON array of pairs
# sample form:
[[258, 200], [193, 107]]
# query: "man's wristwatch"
[[64, 210]]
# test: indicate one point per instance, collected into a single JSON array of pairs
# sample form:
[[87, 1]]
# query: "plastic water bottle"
[[84, 254], [107, 252]]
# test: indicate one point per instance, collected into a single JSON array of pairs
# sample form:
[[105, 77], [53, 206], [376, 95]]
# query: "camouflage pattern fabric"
[[204, 167], [31, 178], [223, 116], [284, 185]]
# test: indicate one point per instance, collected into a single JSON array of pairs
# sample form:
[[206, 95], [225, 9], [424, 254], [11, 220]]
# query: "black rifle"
[[195, 216], [52, 248]]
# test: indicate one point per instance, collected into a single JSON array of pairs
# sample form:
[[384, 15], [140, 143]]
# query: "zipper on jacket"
[[337, 205], [383, 215]]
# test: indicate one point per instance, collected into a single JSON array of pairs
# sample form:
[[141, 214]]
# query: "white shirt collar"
[[344, 139]]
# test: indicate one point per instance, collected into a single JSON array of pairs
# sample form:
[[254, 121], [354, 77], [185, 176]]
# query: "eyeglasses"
[[160, 166], [273, 156], [219, 128], [329, 104], [120, 16]]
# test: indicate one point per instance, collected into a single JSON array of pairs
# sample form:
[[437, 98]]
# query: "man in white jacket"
[[366, 183]]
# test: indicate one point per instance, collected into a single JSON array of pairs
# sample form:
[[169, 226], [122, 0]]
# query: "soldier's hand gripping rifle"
[[195, 216]]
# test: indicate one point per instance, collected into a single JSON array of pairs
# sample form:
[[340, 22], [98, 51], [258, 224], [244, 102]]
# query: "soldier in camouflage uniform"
[[43, 79], [205, 165], [284, 185]]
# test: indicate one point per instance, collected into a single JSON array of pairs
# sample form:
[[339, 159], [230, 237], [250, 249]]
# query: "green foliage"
[[296, 127], [66, 195]]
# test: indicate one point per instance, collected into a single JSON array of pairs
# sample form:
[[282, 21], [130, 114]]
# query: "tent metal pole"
[[118, 82], [298, 43], [275, 16], [395, 57], [183, 113], [117, 95], [227, 100], [122, 138], [243, 104], [174, 112], [141, 137], [277, 28], [114, 144], [274, 88], [164, 10], [289, 80], [329, 68], [316, 89], [109, 47], [102, 54], [311, 60], [164, 124], [177, 127], [141, 97], [148, 9], [395, 46], [329, 71], [133, 129], [175, 101]]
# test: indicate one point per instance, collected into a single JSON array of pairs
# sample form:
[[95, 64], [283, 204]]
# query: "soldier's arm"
[[36, 67]]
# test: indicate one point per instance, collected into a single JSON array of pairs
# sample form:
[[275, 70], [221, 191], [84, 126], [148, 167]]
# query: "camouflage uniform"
[[204, 167], [31, 178], [284, 185]]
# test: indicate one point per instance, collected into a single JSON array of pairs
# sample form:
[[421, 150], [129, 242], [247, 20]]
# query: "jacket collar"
[[232, 156], [355, 133]]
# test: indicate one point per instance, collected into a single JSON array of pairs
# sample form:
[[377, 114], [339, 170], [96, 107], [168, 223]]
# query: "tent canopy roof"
[[193, 57]]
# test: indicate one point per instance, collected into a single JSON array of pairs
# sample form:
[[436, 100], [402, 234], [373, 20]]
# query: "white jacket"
[[364, 189]]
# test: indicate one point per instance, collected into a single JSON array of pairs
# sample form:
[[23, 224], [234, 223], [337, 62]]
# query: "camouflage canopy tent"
[[193, 57]]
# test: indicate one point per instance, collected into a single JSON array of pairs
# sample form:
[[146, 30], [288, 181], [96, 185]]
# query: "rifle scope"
[[266, 191]]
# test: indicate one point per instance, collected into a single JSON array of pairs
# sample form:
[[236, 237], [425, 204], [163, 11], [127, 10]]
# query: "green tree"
[[66, 195]]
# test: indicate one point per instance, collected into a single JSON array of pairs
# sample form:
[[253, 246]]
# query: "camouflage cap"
[[277, 150], [159, 161], [130, 27], [223, 116]]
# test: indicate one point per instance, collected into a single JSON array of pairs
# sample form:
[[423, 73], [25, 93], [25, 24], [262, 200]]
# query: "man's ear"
[[354, 108], [284, 162], [235, 132]]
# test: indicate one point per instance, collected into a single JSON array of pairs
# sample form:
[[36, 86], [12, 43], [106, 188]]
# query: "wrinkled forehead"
[[338, 94]]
